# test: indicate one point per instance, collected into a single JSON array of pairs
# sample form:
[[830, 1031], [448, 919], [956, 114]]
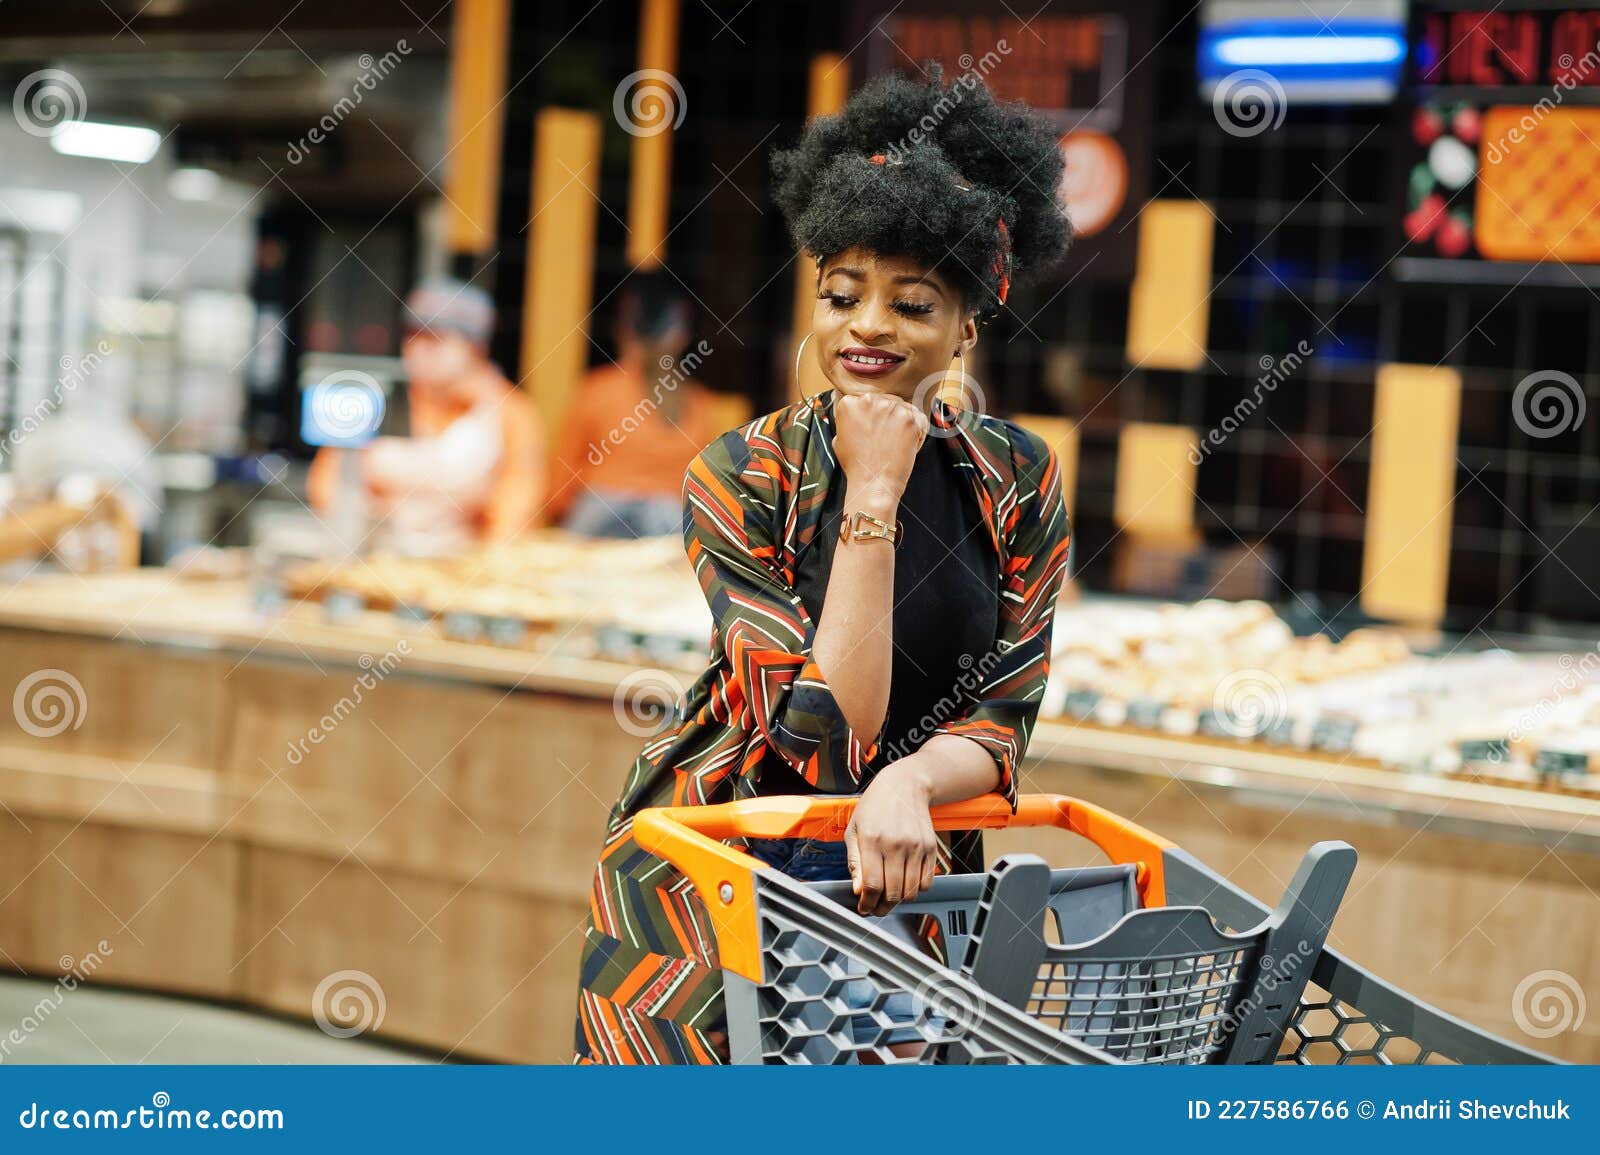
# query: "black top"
[[946, 600]]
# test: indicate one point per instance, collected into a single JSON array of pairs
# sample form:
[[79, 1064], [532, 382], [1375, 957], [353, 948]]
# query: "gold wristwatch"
[[862, 526]]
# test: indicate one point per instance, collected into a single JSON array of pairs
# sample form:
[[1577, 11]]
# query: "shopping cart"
[[1154, 959]]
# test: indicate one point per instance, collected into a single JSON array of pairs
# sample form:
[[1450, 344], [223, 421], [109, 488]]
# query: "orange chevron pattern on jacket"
[[753, 500]]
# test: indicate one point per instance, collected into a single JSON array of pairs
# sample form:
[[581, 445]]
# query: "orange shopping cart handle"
[[691, 838]]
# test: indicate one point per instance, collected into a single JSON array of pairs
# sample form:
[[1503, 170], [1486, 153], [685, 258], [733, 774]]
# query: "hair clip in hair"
[[1000, 268], [1002, 259]]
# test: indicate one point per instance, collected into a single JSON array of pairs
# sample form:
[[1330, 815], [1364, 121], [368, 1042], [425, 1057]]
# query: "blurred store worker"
[[633, 427], [472, 469]]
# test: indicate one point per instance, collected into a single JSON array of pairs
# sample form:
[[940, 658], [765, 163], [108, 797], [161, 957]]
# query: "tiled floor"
[[102, 1025]]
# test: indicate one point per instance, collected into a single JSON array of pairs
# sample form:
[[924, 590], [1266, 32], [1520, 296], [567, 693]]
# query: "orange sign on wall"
[[1538, 185], [1096, 181]]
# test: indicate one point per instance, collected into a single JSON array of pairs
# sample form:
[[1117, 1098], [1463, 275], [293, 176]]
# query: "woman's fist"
[[892, 848], [876, 440]]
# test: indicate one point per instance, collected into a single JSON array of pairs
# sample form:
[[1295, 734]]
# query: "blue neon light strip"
[[1305, 53], [1249, 51]]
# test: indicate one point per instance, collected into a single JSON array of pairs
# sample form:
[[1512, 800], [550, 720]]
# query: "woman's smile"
[[871, 364]]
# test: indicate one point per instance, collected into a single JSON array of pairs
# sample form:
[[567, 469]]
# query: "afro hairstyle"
[[946, 176]]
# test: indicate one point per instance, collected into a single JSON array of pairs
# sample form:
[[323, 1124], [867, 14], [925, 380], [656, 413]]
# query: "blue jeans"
[[815, 860], [806, 859]]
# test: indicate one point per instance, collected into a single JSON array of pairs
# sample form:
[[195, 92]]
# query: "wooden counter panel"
[[458, 783], [127, 708], [110, 791], [474, 972], [163, 903]]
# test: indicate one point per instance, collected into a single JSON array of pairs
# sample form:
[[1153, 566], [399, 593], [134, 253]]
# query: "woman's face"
[[887, 325], [436, 359]]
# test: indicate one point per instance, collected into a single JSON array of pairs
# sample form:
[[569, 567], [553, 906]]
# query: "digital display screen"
[[1491, 48], [1502, 149]]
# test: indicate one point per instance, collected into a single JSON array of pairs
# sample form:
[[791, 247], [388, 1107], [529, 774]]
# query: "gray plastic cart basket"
[[1154, 959]]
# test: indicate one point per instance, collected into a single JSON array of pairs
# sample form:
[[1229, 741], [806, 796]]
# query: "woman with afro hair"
[[881, 567]]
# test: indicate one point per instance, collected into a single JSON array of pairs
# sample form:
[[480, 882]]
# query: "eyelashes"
[[845, 303]]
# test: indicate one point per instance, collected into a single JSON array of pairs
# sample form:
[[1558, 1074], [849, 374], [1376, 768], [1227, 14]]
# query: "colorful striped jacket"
[[650, 988]]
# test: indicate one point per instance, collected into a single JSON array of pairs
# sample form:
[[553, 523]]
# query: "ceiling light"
[[124, 142], [193, 184]]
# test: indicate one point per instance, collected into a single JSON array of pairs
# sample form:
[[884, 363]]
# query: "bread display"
[[1230, 672], [1235, 672], [630, 601]]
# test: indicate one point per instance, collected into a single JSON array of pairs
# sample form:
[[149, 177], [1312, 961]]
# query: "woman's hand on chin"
[[892, 847], [876, 441]]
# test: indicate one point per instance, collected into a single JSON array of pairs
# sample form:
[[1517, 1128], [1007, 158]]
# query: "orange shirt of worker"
[[627, 435], [511, 499]]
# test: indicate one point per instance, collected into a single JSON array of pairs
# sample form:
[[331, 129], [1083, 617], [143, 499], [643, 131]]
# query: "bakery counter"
[[273, 810], [270, 809]]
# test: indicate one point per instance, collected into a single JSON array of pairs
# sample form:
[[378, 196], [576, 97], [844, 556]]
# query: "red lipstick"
[[861, 361]]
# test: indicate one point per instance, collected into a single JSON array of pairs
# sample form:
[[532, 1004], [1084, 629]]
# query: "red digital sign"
[[1054, 63], [1498, 49]]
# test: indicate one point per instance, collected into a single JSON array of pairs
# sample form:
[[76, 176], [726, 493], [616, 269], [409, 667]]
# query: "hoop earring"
[[963, 376], [798, 387]]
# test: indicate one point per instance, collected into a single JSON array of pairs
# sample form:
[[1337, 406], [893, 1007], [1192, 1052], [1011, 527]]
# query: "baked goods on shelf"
[[1224, 672], [630, 601], [1235, 672]]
